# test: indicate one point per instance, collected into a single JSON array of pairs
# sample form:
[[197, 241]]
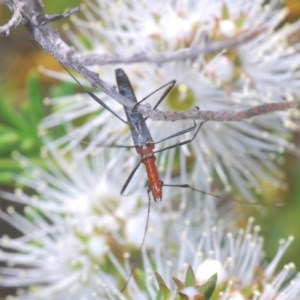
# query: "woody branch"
[[31, 14]]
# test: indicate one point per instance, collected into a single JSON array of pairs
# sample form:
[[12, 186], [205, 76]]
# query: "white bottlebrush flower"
[[236, 257], [77, 238], [74, 226], [264, 69]]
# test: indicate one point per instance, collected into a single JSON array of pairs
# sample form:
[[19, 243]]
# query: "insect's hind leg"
[[141, 244], [188, 186], [179, 133]]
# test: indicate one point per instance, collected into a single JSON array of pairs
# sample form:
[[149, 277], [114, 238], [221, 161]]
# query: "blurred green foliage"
[[18, 130], [19, 126], [283, 221], [56, 7]]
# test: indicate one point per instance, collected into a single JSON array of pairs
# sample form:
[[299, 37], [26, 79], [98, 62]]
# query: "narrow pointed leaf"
[[10, 117], [225, 12], [180, 285], [35, 98], [190, 277], [140, 277], [159, 279], [8, 164], [163, 293], [28, 117], [7, 138], [208, 287]]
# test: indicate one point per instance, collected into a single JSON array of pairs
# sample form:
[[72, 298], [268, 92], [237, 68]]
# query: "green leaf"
[[6, 177], [10, 117], [190, 277], [225, 12], [18, 131], [8, 137], [164, 292], [32, 127], [7, 164], [9, 142], [140, 278], [208, 287], [180, 285], [159, 279], [35, 98], [4, 128]]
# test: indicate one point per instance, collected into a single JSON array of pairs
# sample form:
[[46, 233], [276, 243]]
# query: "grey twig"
[[15, 19], [31, 13], [220, 116], [89, 59], [58, 17]]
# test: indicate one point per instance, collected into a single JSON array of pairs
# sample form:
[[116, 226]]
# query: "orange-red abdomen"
[[148, 159]]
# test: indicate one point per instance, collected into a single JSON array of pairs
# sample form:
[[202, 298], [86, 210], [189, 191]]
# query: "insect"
[[141, 136], [143, 142]]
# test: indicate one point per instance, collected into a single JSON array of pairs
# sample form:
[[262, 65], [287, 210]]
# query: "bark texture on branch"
[[31, 14]]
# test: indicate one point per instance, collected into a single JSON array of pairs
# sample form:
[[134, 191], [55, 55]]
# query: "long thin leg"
[[169, 147], [147, 220], [105, 106], [141, 245], [194, 189], [165, 93], [170, 85], [130, 177], [95, 97], [177, 134], [113, 146], [211, 194], [183, 142]]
